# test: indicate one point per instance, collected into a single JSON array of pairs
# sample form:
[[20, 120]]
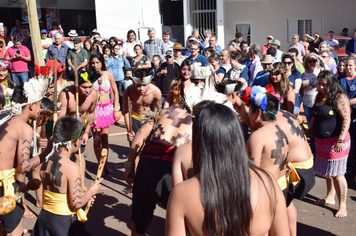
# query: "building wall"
[[269, 17], [116, 17]]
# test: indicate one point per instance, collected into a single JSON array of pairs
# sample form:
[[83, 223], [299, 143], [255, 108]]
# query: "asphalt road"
[[111, 212]]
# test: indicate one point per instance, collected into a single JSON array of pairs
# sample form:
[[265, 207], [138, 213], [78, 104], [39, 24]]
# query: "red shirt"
[[18, 65]]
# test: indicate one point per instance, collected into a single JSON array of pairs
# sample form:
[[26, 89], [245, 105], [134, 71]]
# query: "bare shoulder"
[[154, 89], [187, 188]]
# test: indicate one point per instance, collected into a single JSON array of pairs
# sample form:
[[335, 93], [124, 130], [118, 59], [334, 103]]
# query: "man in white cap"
[[144, 97], [72, 35]]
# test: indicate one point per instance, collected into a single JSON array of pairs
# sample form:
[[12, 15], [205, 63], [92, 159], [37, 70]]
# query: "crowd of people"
[[183, 107]]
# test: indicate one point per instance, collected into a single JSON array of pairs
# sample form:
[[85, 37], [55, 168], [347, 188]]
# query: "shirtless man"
[[144, 97], [87, 101], [153, 182], [286, 144], [16, 136]]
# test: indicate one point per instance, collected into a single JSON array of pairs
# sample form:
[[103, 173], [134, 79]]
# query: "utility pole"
[[35, 32]]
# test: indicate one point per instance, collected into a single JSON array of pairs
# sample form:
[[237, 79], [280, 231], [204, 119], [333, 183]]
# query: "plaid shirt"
[[157, 47]]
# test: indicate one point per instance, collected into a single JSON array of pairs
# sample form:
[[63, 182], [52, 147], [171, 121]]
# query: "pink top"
[[18, 65], [53, 32]]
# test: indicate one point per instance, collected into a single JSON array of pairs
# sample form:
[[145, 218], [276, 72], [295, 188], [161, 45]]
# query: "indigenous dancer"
[[104, 114], [330, 125], [153, 181], [87, 100], [61, 182], [144, 97], [286, 153], [15, 147], [234, 199]]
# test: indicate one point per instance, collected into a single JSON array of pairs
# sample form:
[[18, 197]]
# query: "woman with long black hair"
[[228, 194]]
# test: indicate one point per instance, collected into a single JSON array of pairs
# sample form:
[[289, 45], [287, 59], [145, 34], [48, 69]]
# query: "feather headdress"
[[34, 90]]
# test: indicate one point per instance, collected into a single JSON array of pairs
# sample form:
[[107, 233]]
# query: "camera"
[[17, 51]]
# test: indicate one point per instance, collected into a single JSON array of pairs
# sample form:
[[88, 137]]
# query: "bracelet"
[[86, 132], [340, 140], [129, 165]]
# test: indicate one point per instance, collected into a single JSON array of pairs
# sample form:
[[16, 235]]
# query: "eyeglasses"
[[116, 48], [311, 61], [194, 49], [288, 63], [295, 38]]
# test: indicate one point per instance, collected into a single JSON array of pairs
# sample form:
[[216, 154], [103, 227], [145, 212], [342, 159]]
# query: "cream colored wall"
[[116, 17], [269, 17]]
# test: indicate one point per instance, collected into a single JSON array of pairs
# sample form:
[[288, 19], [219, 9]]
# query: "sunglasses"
[[311, 61], [288, 63]]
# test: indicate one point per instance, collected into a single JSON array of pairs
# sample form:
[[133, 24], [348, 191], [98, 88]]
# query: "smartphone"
[[18, 51]]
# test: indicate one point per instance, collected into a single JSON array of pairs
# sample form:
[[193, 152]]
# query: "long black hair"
[[100, 57], [223, 169], [220, 159], [334, 89]]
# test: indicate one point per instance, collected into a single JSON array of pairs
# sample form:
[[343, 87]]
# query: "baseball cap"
[[169, 53], [43, 31]]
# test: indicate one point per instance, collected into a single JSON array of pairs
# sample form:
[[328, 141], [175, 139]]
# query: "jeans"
[[121, 99], [18, 77]]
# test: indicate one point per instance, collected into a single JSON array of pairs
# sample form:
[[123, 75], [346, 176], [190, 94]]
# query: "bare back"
[[174, 128], [185, 208], [15, 141], [299, 149]]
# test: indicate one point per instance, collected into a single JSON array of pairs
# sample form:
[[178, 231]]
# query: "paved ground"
[[111, 212]]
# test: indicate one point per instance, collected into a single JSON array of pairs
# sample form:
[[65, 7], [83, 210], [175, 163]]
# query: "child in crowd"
[[63, 198], [126, 82]]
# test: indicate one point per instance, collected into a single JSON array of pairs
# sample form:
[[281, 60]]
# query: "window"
[[304, 26], [245, 29]]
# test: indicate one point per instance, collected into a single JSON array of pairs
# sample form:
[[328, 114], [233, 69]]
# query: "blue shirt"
[[218, 49], [60, 54], [293, 77], [349, 86], [200, 59], [186, 52], [157, 47], [116, 65], [261, 79]]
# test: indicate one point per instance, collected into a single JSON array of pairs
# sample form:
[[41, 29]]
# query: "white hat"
[[73, 33], [143, 81]]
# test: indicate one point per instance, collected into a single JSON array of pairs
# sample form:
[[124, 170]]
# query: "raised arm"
[[76, 198]]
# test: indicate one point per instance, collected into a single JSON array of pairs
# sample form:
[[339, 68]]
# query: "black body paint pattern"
[[177, 121], [278, 152], [294, 129], [77, 193], [159, 131], [49, 184], [184, 137]]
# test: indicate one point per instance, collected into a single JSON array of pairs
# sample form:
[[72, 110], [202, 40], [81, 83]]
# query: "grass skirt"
[[104, 115], [328, 162]]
